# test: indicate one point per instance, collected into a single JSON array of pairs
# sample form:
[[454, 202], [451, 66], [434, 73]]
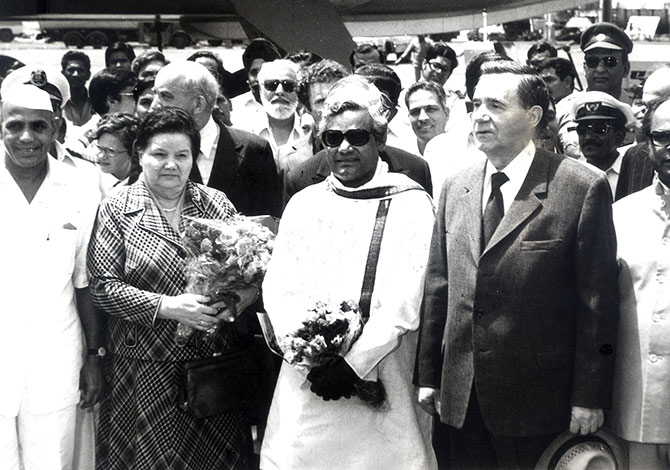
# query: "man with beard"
[[601, 127], [278, 82], [233, 161]]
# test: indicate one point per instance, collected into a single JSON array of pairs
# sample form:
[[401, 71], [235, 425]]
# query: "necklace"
[[169, 210]]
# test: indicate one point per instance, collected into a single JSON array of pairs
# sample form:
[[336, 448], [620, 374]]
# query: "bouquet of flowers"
[[328, 331], [223, 256]]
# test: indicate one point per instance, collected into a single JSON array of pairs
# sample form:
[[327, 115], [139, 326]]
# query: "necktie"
[[494, 210]]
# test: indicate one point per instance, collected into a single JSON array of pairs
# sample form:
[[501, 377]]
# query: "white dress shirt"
[[516, 171], [209, 138]]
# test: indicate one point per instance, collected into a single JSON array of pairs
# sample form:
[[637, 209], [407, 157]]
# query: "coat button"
[[660, 278], [653, 358], [666, 240], [479, 312], [656, 317]]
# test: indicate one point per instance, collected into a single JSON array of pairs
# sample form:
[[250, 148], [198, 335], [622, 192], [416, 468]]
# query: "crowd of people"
[[514, 313]]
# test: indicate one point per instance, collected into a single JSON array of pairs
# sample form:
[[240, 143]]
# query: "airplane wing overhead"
[[397, 17], [312, 25]]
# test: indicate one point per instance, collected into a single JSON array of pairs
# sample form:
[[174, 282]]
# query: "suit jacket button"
[[479, 312]]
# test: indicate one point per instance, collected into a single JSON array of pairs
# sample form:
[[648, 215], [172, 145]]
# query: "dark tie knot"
[[497, 180]]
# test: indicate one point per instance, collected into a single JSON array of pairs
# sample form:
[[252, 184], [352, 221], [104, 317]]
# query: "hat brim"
[[599, 118], [603, 45], [612, 440]]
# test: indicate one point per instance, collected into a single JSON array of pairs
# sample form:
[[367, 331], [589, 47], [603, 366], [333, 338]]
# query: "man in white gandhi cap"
[[48, 365]]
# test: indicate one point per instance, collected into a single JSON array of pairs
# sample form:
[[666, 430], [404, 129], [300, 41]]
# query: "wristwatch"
[[100, 352]]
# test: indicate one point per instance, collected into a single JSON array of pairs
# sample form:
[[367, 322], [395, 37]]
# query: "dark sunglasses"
[[287, 85], [356, 137], [593, 61], [660, 138], [599, 128]]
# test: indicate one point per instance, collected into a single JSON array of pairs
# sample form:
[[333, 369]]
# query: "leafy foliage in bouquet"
[[328, 330], [223, 256]]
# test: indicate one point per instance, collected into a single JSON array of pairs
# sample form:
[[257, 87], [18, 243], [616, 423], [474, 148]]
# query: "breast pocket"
[[60, 250], [541, 245]]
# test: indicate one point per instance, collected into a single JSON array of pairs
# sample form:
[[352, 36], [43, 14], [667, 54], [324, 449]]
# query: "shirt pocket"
[[61, 247]]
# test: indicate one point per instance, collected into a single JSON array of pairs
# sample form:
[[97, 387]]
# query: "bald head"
[[189, 86], [657, 86]]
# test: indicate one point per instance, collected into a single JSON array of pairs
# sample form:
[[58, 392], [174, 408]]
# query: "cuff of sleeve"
[[155, 316], [372, 375]]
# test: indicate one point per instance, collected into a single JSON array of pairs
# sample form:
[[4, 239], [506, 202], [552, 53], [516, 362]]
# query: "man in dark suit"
[[521, 296], [233, 161]]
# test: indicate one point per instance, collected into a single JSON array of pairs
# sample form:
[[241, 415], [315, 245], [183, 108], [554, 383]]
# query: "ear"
[[619, 136], [535, 114], [200, 105]]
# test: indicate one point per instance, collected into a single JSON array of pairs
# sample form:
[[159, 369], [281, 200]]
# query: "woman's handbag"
[[219, 384]]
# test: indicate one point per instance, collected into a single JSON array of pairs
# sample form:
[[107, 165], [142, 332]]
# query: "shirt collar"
[[208, 137], [616, 165], [660, 188], [517, 169]]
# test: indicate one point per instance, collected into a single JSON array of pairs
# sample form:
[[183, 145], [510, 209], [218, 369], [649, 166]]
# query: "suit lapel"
[[527, 201], [394, 165], [226, 162], [139, 202], [472, 205]]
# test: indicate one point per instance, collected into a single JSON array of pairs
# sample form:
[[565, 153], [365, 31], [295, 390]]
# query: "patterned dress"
[[134, 258]]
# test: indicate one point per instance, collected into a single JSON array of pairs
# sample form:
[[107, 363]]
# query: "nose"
[[26, 134], [345, 147], [480, 114], [423, 115], [155, 103], [170, 163]]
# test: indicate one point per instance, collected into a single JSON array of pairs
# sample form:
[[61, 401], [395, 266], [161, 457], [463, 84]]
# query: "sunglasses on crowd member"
[[287, 85], [356, 137], [598, 128], [438, 67], [593, 61], [660, 138], [108, 151]]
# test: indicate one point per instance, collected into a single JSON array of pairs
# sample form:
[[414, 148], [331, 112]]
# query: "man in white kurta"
[[43, 248], [642, 382], [321, 254]]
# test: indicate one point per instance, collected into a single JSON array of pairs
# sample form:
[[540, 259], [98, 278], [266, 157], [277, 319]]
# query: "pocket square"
[[69, 226]]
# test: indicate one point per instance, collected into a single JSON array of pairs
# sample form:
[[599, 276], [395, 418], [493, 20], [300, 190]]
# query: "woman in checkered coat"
[[135, 265]]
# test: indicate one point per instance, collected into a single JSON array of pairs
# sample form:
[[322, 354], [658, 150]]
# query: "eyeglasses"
[[126, 94], [593, 61], [660, 138], [287, 85], [356, 137], [437, 67], [598, 128], [108, 151]]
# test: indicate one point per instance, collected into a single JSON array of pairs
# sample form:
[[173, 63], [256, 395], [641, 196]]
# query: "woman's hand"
[[247, 297], [190, 310]]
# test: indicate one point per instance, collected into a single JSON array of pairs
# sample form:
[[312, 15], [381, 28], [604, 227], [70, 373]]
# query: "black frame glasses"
[[660, 138], [356, 137], [609, 61], [289, 86], [438, 67], [597, 128]]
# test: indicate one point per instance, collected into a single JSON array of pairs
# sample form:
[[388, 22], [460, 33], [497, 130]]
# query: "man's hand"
[[429, 399], [586, 420], [91, 381]]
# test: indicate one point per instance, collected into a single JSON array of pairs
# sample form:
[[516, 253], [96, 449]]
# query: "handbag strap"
[[373, 258]]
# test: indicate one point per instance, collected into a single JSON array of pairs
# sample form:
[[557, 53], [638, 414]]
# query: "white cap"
[[45, 79], [27, 96]]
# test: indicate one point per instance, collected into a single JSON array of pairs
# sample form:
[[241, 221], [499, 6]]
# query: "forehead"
[[602, 52], [75, 63], [442, 60], [502, 87], [118, 55], [661, 117], [207, 61], [549, 72], [423, 98], [354, 119], [279, 71], [169, 79], [17, 113], [320, 88]]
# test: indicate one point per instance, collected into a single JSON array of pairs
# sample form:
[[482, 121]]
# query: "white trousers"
[[38, 442]]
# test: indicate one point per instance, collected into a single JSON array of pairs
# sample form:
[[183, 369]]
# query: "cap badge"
[[592, 107], [38, 78], [601, 37]]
